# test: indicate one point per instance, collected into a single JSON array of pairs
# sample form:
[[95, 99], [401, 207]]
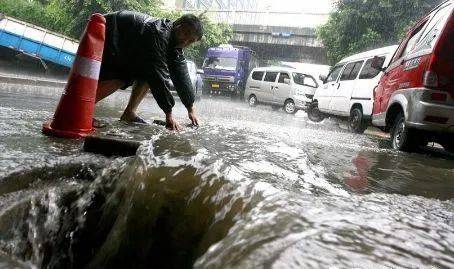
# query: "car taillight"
[[430, 79]]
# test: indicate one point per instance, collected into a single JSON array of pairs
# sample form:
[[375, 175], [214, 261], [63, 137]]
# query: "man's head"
[[187, 30]]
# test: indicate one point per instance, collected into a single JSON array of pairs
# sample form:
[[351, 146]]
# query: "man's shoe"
[[136, 119]]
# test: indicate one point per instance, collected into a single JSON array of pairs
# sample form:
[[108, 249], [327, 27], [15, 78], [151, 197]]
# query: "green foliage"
[[358, 25], [69, 17], [214, 35], [50, 15], [80, 10]]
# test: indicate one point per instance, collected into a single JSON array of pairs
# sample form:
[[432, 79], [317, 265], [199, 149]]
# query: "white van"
[[348, 90], [280, 87]]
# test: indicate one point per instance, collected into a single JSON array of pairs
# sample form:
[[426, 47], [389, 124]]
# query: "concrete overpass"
[[285, 36]]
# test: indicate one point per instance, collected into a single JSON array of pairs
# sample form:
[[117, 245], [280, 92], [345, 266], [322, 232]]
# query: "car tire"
[[403, 138], [289, 107], [313, 113], [356, 122], [252, 100]]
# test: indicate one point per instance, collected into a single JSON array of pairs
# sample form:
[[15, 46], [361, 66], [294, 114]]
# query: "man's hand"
[[171, 123], [192, 116]]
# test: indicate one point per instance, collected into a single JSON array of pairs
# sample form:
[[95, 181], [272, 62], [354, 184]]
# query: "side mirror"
[[287, 81], [377, 63], [322, 78], [200, 71]]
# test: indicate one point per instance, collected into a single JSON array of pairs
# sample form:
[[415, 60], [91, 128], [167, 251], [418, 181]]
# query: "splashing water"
[[245, 190]]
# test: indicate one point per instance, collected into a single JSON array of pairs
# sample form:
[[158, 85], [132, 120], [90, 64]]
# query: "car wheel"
[[402, 138], [313, 113], [356, 121], [252, 100], [289, 107]]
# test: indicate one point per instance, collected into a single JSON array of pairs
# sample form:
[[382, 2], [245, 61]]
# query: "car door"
[[340, 103], [282, 89], [267, 87], [394, 76], [367, 81], [325, 92]]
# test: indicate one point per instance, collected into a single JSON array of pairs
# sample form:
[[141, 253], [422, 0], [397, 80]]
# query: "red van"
[[414, 99]]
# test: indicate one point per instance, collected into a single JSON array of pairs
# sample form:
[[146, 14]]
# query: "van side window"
[[430, 35], [257, 75], [355, 71], [368, 72], [351, 71], [298, 78], [270, 76], [283, 76], [334, 74], [412, 41]]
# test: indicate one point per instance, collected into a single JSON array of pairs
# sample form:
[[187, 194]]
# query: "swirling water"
[[250, 188]]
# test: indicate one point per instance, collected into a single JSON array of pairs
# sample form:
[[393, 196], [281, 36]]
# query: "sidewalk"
[[30, 80]]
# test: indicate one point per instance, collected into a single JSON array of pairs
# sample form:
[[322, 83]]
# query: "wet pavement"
[[250, 188]]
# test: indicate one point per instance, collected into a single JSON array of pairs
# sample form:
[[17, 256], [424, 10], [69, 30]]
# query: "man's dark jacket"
[[141, 47]]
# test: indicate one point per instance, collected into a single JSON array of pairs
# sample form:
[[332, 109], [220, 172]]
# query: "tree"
[[80, 10], [214, 35], [358, 25], [69, 17], [49, 15]]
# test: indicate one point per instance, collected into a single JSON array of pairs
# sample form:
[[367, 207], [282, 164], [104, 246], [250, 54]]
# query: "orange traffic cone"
[[74, 114]]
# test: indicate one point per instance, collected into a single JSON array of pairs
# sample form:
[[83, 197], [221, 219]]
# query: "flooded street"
[[250, 188]]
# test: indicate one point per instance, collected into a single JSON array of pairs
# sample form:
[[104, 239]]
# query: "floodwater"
[[250, 188]]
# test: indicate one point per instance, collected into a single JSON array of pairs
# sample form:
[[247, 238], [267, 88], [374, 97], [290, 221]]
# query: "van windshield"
[[220, 63], [298, 78]]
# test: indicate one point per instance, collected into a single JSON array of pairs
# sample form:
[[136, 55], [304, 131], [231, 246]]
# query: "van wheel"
[[402, 138], [289, 107], [356, 121], [252, 100], [313, 113]]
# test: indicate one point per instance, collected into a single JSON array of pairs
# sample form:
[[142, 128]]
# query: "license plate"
[[215, 85]]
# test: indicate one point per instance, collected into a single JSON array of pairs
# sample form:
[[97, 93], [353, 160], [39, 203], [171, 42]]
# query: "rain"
[[323, 135]]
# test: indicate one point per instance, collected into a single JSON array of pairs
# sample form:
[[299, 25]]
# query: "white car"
[[280, 87], [194, 74], [348, 90]]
